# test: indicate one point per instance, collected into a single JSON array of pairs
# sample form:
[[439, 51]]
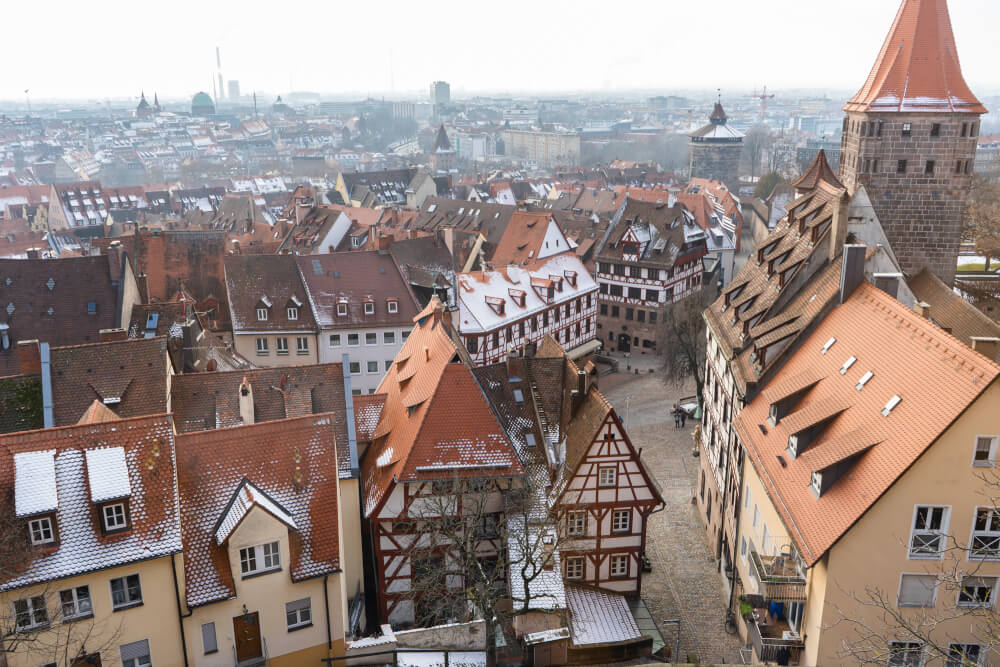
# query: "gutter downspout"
[[48, 414], [180, 614], [352, 436], [326, 604]]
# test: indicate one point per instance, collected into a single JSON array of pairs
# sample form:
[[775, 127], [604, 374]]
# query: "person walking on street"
[[677, 416], [684, 416]]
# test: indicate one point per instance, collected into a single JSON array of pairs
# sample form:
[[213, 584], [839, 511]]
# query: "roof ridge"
[[59, 431]]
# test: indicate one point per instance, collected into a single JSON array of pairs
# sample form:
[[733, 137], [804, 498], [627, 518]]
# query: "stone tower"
[[910, 139], [443, 157], [716, 150]]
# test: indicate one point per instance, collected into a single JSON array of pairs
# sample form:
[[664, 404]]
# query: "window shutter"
[[208, 637], [917, 590], [139, 649]]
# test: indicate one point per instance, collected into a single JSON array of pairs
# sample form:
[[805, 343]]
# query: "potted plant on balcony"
[[746, 609]]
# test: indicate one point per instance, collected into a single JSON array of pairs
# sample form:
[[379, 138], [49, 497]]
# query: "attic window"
[[496, 304], [432, 208], [342, 309], [828, 345], [261, 314], [10, 308], [816, 483], [518, 396], [292, 312], [369, 307], [91, 307], [864, 380], [847, 364], [529, 439], [518, 296], [893, 402], [570, 277], [51, 284], [392, 306]]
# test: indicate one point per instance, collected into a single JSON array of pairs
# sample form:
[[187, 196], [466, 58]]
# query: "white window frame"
[[33, 605], [990, 537], [575, 567], [357, 338], [940, 533], [621, 521], [388, 337], [262, 314], [605, 482], [262, 348], [962, 657], [129, 602], [281, 345], [41, 526], [576, 523], [615, 572], [301, 345], [119, 522], [76, 601], [986, 604], [368, 367], [332, 337], [991, 452], [341, 310], [374, 338], [392, 306], [743, 548], [899, 591], [369, 307], [292, 312], [915, 647], [352, 365], [260, 559], [142, 661], [297, 610]]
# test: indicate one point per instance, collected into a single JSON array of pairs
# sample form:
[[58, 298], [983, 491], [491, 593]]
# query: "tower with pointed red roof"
[[910, 139]]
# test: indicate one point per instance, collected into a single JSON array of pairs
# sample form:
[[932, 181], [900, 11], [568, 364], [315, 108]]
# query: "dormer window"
[[392, 306], [115, 517], [496, 304], [260, 559], [369, 307], [342, 309], [518, 296], [293, 313], [864, 380], [261, 314], [827, 345], [570, 277], [42, 530], [816, 483]]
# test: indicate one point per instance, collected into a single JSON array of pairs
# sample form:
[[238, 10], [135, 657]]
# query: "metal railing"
[[780, 577], [770, 649]]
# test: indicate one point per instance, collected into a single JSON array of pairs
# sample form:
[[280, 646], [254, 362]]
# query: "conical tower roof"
[[917, 68], [441, 142], [718, 116], [819, 170]]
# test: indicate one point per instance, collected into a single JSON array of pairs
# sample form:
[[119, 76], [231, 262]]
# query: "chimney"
[[383, 244], [578, 395], [48, 405], [838, 228], [246, 401], [301, 208], [923, 309], [852, 271], [888, 283], [987, 346], [28, 357], [110, 335]]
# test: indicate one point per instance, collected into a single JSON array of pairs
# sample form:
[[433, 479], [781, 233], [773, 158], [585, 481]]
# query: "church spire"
[[917, 68]]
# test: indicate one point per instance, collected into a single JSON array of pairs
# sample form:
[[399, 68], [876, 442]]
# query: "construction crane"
[[763, 97]]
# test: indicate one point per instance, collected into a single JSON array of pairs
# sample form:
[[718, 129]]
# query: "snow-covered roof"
[[246, 497], [107, 474], [544, 587], [599, 617], [476, 315], [35, 483], [437, 659]]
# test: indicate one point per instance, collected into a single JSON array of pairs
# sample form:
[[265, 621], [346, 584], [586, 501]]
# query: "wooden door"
[[92, 660], [247, 634]]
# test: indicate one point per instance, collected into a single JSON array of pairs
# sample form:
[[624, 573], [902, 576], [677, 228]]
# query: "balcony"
[[780, 578], [772, 639]]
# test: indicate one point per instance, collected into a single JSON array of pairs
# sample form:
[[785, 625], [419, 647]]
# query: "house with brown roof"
[[862, 481], [263, 576], [273, 322], [96, 530], [939, 303]]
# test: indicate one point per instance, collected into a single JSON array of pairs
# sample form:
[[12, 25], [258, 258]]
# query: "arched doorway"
[[624, 342]]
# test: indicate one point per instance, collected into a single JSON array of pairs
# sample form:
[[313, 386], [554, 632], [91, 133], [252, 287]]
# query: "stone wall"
[[720, 161], [921, 208]]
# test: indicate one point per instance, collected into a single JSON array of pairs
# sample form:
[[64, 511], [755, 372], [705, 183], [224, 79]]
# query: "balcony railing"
[[780, 578], [772, 649]]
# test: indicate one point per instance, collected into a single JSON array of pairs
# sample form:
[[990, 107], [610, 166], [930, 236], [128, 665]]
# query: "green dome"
[[201, 103]]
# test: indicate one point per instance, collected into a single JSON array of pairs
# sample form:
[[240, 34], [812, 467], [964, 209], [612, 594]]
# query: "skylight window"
[[529, 439], [893, 402], [864, 380], [847, 364], [828, 345], [518, 396]]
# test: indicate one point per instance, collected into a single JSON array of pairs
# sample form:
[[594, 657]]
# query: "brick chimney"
[[987, 346], [110, 335], [246, 402], [29, 357]]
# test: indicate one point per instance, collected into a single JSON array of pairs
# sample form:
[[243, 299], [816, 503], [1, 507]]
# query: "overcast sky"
[[112, 49]]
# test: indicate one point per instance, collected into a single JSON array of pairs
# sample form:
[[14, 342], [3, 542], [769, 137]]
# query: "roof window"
[[828, 345], [847, 364], [893, 402], [864, 380]]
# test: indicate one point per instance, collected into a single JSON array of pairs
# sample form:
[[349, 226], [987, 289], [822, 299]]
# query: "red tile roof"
[[252, 278], [522, 239], [437, 424], [917, 68], [819, 170], [934, 374], [292, 461]]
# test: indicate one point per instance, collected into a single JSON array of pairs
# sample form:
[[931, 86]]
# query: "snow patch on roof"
[[107, 474], [245, 498], [35, 483]]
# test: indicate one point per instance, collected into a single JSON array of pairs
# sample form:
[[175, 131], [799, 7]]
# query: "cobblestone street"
[[684, 582]]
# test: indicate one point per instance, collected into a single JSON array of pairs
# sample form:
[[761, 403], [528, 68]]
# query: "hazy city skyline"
[[397, 48]]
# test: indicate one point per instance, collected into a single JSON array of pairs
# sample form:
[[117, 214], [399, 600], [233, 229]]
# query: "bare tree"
[[36, 621], [473, 538], [885, 633], [757, 140], [982, 219], [681, 339]]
